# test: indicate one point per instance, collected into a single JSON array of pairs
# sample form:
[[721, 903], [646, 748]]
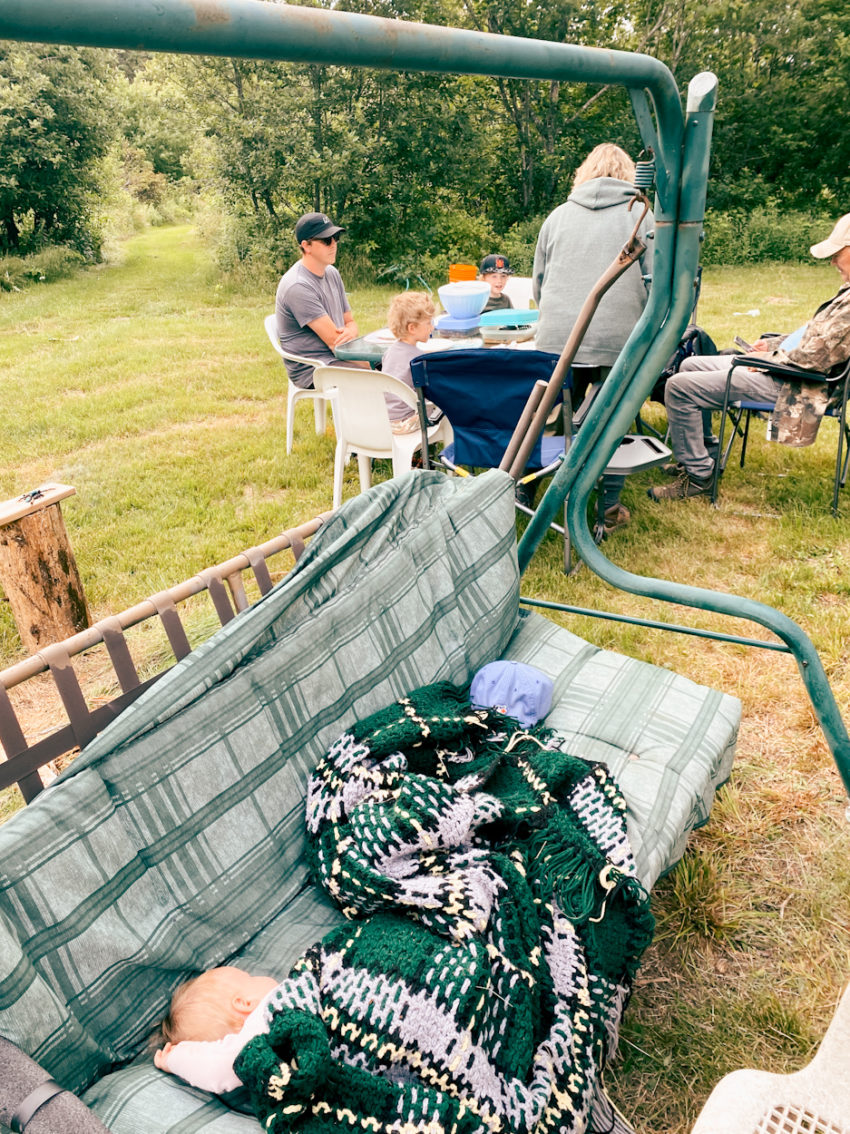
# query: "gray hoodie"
[[577, 242]]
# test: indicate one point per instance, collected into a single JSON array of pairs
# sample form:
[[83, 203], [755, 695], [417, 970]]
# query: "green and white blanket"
[[496, 924]]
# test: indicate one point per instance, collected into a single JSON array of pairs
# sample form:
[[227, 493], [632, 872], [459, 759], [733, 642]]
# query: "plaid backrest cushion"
[[178, 834]]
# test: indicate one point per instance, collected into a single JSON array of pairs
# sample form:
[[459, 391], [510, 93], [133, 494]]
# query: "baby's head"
[[212, 1005], [410, 316]]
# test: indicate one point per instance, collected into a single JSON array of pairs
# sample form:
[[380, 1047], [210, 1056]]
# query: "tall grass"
[[150, 386]]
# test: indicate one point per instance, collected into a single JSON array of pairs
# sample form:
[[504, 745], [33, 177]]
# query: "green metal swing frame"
[[679, 137]]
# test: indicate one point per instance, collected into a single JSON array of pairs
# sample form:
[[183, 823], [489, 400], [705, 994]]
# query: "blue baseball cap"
[[513, 688], [496, 262]]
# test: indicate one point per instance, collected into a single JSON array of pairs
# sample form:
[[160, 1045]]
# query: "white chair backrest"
[[360, 410], [518, 289], [270, 323]]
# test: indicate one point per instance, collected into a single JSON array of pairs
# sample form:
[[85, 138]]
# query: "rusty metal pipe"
[[516, 457], [526, 420]]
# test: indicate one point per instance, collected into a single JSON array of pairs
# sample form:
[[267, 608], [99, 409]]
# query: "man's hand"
[[348, 332]]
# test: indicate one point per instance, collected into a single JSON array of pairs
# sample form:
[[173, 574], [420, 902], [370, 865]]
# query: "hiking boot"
[[616, 517], [673, 468], [682, 488]]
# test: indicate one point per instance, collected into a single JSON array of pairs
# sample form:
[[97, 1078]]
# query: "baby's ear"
[[244, 1005]]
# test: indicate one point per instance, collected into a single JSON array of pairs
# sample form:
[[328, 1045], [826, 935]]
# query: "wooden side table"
[[38, 571]]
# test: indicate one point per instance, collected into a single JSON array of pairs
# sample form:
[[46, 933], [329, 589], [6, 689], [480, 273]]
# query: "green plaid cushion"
[[668, 742], [175, 842], [141, 1100], [177, 836]]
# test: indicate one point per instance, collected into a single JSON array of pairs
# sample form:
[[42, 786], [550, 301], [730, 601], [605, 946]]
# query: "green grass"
[[150, 386]]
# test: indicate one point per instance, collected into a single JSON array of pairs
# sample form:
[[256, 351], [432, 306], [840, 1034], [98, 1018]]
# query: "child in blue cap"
[[495, 270]]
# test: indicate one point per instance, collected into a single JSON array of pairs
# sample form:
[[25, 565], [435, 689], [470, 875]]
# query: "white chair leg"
[[340, 458], [290, 417], [319, 406], [364, 466]]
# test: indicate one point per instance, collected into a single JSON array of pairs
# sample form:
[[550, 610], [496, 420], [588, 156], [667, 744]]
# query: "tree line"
[[419, 168]]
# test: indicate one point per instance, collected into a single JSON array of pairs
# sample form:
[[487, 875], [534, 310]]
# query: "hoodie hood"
[[602, 193]]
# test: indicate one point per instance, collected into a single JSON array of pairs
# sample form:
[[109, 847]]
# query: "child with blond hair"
[[411, 320]]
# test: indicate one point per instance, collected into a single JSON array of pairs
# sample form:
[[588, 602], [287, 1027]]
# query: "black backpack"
[[694, 341]]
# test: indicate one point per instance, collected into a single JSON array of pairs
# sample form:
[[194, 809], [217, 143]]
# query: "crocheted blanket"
[[496, 924]]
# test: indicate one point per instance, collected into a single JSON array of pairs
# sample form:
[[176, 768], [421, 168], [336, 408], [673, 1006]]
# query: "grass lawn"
[[149, 385]]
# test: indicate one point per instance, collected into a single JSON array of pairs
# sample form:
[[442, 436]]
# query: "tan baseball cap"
[[839, 238]]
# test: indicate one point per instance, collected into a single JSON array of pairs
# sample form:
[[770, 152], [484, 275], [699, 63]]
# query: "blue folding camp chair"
[[484, 392]]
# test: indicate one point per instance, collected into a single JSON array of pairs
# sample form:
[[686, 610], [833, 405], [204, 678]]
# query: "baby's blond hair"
[[409, 307], [200, 1009]]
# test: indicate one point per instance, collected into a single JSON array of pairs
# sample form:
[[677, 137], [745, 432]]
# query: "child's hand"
[[160, 1057]]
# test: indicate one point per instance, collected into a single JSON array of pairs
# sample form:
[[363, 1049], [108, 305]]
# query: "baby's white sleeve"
[[208, 1065]]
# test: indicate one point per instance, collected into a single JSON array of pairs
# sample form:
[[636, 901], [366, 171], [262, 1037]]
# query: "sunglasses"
[[327, 240]]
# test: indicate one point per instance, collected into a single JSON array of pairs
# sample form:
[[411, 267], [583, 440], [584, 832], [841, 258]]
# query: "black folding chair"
[[742, 410]]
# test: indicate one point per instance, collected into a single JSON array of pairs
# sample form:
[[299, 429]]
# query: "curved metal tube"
[[613, 421], [255, 30]]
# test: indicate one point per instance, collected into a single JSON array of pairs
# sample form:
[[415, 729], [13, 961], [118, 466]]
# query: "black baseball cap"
[[495, 262], [314, 225]]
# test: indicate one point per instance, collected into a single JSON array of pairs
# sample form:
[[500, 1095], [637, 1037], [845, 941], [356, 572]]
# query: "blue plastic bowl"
[[464, 299]]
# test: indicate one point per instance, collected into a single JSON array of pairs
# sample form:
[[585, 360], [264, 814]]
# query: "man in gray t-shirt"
[[312, 312]]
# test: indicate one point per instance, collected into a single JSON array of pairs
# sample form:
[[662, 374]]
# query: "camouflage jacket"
[[824, 348]]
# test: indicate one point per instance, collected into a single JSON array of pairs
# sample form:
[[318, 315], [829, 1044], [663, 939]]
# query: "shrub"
[[767, 233], [51, 264], [519, 242]]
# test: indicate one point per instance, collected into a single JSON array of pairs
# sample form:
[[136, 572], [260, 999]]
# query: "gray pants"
[[700, 385]]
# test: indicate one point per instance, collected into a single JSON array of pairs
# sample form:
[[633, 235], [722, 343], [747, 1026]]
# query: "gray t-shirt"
[[396, 361], [301, 298]]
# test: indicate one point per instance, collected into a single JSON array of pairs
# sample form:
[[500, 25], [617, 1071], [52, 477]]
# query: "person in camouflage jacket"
[[823, 348]]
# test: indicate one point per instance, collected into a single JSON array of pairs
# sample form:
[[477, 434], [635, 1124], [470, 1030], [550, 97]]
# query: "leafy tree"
[[781, 132], [56, 125], [156, 118]]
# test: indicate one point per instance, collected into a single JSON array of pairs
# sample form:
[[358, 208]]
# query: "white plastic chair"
[[297, 393], [363, 424], [519, 290], [815, 1100]]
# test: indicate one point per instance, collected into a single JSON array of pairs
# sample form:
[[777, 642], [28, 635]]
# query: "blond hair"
[[606, 160], [409, 307], [200, 1009]]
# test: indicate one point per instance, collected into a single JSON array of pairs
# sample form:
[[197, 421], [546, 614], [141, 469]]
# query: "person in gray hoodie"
[[577, 242]]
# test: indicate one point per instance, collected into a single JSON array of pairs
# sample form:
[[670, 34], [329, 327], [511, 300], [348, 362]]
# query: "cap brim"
[[331, 230], [825, 249]]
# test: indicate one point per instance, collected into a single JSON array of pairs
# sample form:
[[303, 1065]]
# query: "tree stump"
[[38, 570]]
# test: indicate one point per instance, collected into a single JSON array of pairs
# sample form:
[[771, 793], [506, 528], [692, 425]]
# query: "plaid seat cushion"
[[178, 834], [175, 841], [668, 742]]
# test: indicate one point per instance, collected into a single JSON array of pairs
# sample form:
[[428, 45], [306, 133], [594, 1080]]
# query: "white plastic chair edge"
[[297, 393], [814, 1098], [404, 445]]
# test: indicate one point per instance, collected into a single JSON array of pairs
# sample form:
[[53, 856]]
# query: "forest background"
[[421, 169]]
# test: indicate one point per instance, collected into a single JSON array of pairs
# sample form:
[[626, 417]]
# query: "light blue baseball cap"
[[513, 688]]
